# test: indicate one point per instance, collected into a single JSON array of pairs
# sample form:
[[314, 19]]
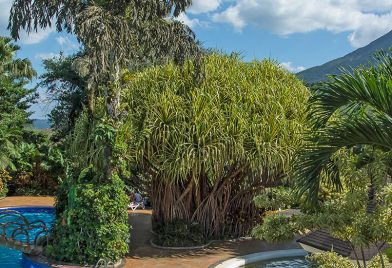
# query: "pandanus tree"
[[350, 111], [114, 34], [208, 147]]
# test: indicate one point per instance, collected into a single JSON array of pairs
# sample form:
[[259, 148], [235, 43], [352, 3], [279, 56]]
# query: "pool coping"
[[260, 256], [28, 207]]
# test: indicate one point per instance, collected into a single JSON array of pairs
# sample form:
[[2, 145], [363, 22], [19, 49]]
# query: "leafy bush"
[[275, 198], [329, 260], [93, 223], [376, 262], [275, 228], [334, 260], [179, 233], [388, 253], [4, 178], [38, 165]]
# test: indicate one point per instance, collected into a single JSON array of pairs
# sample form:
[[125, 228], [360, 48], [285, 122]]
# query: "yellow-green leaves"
[[249, 113]]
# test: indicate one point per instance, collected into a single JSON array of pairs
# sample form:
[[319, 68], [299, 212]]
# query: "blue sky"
[[297, 33]]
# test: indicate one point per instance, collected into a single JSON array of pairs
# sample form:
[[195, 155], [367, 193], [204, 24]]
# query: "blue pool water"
[[11, 258], [293, 262]]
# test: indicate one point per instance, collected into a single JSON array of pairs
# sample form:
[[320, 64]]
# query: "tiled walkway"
[[142, 255]]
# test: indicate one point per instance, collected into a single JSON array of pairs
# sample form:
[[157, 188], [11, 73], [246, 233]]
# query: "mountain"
[[41, 124], [354, 59]]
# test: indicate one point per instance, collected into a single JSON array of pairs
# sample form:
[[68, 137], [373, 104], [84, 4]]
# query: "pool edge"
[[260, 256]]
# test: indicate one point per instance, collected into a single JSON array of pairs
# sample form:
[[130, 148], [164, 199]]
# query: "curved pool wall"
[[261, 256], [28, 262], [14, 259]]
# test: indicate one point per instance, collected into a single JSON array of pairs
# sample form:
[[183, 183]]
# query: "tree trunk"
[[221, 209]]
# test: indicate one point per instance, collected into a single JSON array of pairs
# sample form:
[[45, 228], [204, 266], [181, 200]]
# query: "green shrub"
[[275, 198], [4, 178], [329, 260], [388, 253], [275, 228], [375, 262], [179, 233], [92, 225]]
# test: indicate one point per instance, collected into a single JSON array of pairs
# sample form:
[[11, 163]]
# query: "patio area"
[[142, 254]]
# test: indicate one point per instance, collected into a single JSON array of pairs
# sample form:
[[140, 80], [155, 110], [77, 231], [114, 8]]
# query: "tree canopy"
[[209, 147], [353, 109], [15, 99]]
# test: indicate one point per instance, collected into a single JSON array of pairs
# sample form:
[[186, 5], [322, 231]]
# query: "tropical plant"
[[179, 233], [275, 198], [15, 69], [65, 87], [15, 99], [208, 147], [38, 166], [4, 178], [93, 226], [348, 111], [275, 228], [329, 260], [113, 34], [346, 217]]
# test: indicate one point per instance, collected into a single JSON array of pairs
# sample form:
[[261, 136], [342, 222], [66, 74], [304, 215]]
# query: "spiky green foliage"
[[351, 109], [209, 147]]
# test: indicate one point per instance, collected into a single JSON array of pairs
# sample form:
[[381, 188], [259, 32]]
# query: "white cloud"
[[28, 39], [188, 21], [365, 20], [289, 66], [45, 56], [66, 44], [203, 6], [35, 37], [61, 40]]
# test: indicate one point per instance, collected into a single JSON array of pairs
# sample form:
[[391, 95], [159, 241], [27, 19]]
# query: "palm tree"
[[11, 67], [14, 100], [350, 110], [114, 35]]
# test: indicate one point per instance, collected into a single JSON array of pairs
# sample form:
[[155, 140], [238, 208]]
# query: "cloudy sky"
[[298, 33]]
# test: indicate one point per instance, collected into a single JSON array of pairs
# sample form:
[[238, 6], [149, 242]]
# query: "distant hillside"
[[41, 124], [354, 59]]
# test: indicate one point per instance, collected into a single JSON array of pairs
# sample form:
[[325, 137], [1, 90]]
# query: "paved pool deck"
[[143, 255]]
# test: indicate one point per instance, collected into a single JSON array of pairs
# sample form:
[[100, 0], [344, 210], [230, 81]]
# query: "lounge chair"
[[139, 202]]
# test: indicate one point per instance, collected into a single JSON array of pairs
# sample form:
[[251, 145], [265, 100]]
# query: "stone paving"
[[142, 255]]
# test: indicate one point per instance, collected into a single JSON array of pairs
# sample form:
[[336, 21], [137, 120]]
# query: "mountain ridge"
[[360, 56]]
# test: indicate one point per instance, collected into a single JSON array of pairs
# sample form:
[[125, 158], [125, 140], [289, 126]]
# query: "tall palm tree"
[[14, 100], [114, 35], [352, 109], [11, 67]]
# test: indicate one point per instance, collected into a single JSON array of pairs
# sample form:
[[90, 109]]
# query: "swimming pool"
[[292, 262], [10, 258]]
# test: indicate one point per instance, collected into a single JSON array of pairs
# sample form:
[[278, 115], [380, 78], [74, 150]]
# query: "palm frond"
[[315, 161], [351, 92]]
